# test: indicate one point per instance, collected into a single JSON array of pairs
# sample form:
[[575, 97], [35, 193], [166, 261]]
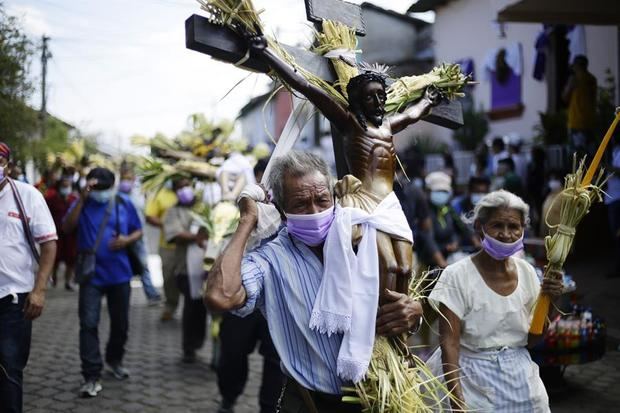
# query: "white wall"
[[466, 29], [256, 124]]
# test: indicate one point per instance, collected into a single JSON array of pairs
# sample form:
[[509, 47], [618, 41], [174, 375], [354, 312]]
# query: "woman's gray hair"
[[295, 164], [495, 200]]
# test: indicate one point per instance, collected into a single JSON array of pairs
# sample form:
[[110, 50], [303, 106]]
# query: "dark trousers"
[[238, 338], [89, 311], [15, 334], [194, 318], [292, 401]]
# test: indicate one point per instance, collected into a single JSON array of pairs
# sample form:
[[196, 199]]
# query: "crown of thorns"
[[369, 73], [358, 81]]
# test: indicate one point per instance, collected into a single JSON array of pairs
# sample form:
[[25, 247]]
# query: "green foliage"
[[552, 129], [17, 121], [475, 128], [56, 140], [427, 145]]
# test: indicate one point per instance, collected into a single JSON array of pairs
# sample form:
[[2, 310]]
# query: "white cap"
[[438, 181]]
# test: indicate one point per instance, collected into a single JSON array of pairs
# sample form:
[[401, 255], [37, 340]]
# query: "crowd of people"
[[92, 224]]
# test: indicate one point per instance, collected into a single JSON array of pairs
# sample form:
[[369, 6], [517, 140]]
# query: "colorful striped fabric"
[[5, 151], [281, 278]]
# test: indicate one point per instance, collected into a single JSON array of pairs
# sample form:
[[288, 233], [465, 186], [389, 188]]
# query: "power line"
[[45, 54]]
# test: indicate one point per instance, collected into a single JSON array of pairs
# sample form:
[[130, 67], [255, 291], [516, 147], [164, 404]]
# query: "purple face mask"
[[501, 250], [125, 186], [185, 195], [311, 229]]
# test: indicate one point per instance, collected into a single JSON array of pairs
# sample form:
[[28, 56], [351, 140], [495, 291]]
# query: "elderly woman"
[[487, 301]]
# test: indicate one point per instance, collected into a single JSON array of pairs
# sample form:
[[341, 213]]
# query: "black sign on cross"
[[223, 44]]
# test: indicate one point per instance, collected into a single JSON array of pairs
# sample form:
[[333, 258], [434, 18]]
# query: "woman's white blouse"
[[488, 319]]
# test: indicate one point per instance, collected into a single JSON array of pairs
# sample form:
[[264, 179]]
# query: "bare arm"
[[331, 109], [36, 299], [156, 222], [123, 241], [225, 290], [553, 288], [417, 111], [71, 221], [450, 336]]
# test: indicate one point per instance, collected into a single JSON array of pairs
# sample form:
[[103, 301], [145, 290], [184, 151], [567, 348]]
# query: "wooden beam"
[[223, 44], [348, 14]]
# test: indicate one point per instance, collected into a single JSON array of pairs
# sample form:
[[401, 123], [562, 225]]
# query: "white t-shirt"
[[488, 319], [17, 265]]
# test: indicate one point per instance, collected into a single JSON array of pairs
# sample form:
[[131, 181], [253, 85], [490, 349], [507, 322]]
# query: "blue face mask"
[[476, 197], [102, 196], [440, 198]]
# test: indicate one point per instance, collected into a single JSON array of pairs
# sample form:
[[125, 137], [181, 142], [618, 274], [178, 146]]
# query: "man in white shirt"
[[22, 281]]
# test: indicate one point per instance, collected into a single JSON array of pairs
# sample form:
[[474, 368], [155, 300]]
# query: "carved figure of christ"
[[369, 148]]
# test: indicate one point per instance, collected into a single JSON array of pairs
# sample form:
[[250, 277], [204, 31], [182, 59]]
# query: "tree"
[[17, 121]]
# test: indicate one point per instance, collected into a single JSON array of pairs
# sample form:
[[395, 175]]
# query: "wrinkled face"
[[373, 102], [504, 224], [308, 194]]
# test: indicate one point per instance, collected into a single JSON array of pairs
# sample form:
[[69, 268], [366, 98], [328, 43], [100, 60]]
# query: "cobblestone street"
[[159, 382]]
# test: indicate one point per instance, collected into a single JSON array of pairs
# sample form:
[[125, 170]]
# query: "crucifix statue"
[[369, 148], [365, 152]]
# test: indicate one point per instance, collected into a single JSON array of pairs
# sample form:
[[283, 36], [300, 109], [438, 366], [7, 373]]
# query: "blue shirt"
[[282, 278], [112, 267]]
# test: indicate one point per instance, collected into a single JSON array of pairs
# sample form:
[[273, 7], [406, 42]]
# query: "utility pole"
[[45, 54]]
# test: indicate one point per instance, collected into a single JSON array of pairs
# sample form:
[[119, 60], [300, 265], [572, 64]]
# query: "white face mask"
[[2, 168]]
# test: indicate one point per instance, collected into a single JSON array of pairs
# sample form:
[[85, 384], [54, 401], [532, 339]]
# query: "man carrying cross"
[[282, 278]]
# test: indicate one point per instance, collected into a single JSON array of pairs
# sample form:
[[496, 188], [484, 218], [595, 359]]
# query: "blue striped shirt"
[[282, 278]]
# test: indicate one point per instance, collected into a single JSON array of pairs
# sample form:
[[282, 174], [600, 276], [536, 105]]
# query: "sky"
[[120, 68]]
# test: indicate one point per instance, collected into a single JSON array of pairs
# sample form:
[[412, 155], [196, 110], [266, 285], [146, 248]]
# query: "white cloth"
[[17, 264], [348, 296], [194, 259], [514, 59], [488, 320], [269, 219], [576, 42], [303, 111], [237, 164], [211, 193]]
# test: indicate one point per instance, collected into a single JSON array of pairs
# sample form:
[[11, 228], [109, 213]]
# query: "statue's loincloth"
[[350, 193]]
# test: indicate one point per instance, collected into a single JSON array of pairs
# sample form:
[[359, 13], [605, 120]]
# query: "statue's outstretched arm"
[[330, 108], [418, 110]]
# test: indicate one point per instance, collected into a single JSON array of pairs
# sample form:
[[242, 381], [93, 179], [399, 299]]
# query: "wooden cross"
[[223, 44]]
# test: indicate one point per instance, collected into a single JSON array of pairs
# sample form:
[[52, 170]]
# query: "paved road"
[[161, 383]]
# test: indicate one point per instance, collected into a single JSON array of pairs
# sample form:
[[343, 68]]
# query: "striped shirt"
[[281, 278]]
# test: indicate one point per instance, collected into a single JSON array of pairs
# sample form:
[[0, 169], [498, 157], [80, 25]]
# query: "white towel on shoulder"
[[348, 296]]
